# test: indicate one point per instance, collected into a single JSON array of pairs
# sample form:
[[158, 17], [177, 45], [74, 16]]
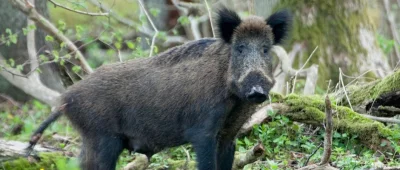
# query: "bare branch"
[[120, 19], [311, 72], [30, 85], [191, 4], [31, 48], [311, 80], [178, 4], [285, 62], [131, 23], [297, 72], [194, 21], [382, 119], [312, 154], [10, 99], [344, 88], [210, 16], [77, 11], [152, 24], [51, 29], [328, 133]]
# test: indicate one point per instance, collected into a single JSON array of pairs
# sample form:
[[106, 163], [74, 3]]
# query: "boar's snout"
[[255, 86], [256, 94]]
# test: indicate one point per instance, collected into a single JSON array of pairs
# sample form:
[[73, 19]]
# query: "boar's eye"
[[265, 50], [240, 48]]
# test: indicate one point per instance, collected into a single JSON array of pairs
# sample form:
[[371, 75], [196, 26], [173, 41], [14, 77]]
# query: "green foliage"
[[184, 20], [154, 11], [282, 138], [9, 37], [387, 45], [28, 29], [29, 116], [49, 38]]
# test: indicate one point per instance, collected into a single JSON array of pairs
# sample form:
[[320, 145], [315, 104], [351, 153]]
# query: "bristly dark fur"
[[227, 21], [280, 22]]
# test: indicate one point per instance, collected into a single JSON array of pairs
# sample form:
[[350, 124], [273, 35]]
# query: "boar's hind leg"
[[100, 153], [226, 153]]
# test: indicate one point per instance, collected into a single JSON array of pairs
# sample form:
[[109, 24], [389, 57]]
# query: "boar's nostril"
[[256, 95]]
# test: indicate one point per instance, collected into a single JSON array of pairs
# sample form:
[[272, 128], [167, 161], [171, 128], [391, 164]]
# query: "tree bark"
[[344, 31]]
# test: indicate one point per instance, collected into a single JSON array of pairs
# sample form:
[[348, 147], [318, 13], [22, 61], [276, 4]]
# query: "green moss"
[[364, 93], [311, 110], [275, 97], [48, 161], [333, 28], [369, 131]]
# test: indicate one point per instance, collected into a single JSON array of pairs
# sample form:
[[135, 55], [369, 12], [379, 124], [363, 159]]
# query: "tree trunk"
[[15, 20], [344, 32]]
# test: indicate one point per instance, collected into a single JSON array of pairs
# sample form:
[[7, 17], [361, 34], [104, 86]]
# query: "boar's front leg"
[[203, 137], [226, 154], [206, 152]]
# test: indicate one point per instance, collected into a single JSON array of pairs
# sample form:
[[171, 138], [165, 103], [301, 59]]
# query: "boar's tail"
[[38, 133]]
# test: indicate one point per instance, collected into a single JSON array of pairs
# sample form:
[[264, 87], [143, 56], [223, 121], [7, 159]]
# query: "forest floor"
[[288, 144]]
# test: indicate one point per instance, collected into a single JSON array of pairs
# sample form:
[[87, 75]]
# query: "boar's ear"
[[280, 22], [227, 21]]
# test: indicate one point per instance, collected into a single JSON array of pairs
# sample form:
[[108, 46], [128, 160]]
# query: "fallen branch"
[[14, 149], [140, 162], [324, 164], [382, 119], [249, 157]]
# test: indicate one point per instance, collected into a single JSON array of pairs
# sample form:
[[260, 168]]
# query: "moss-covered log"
[[310, 110]]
